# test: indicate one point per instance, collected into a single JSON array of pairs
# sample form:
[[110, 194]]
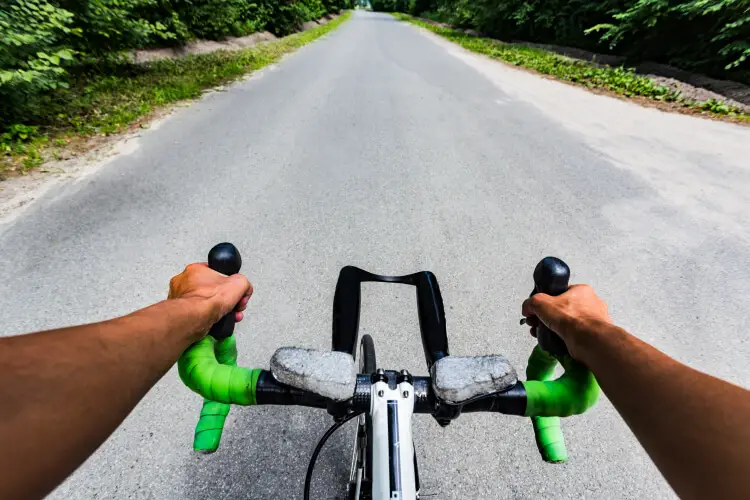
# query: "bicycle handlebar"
[[237, 385], [209, 368], [572, 394], [547, 399]]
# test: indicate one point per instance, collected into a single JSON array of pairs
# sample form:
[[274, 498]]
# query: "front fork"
[[393, 467]]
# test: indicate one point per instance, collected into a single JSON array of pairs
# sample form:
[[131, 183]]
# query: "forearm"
[[64, 391], [684, 419]]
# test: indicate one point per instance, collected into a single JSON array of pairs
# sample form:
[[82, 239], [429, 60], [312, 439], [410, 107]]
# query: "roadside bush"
[[333, 6], [712, 36], [288, 16], [33, 54], [111, 26], [213, 19]]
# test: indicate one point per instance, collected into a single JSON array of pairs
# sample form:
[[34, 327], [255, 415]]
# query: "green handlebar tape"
[[547, 400], [549, 439], [547, 432], [572, 394], [202, 372], [210, 426], [208, 367]]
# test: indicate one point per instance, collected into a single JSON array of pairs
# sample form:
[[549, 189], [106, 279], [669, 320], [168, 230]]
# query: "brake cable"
[[314, 457]]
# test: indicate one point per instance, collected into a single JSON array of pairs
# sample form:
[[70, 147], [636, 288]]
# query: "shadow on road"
[[264, 455]]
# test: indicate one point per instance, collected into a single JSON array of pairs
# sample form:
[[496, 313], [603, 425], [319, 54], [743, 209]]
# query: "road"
[[384, 147]]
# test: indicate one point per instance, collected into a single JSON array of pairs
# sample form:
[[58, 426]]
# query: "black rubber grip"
[[551, 276], [224, 258]]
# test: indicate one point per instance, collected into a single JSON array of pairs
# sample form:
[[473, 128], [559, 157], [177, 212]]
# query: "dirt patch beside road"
[[694, 86], [206, 46]]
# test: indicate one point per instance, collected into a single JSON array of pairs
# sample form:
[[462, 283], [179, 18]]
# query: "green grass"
[[619, 80], [106, 100]]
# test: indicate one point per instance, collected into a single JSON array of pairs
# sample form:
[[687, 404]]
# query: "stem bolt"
[[404, 376]]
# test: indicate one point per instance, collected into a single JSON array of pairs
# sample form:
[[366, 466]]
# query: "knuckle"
[[539, 299]]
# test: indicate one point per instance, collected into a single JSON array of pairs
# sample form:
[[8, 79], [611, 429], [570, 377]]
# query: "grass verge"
[[108, 99], [614, 80]]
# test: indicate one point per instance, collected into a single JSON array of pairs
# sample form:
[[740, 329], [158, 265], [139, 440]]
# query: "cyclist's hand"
[[213, 294], [572, 315]]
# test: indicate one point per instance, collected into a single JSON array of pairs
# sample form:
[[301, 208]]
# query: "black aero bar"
[[346, 307]]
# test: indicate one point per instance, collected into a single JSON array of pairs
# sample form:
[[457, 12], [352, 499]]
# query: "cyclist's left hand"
[[213, 293]]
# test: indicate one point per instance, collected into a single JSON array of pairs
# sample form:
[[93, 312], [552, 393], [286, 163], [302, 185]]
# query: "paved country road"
[[387, 148]]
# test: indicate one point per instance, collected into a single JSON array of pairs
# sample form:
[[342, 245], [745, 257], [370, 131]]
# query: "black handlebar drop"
[[224, 258], [551, 276]]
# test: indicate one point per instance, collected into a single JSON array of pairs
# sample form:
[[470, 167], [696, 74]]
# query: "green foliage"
[[715, 107], [620, 80], [288, 16], [336, 5], [393, 5], [32, 54], [111, 26], [21, 140], [16, 134], [712, 36], [108, 98], [214, 19]]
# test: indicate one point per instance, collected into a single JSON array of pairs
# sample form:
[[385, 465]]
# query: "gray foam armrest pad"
[[327, 373], [456, 379]]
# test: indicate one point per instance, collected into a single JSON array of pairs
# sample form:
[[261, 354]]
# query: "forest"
[[706, 36]]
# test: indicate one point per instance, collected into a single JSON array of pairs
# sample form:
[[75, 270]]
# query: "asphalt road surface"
[[384, 147]]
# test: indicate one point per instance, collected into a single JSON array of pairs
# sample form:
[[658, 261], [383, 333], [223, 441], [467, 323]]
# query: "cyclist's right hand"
[[212, 295], [575, 315]]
